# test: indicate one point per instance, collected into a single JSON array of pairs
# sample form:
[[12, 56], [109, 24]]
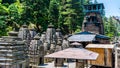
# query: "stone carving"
[[36, 51]]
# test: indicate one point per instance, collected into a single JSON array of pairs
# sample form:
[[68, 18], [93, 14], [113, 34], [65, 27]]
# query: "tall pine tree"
[[70, 15]]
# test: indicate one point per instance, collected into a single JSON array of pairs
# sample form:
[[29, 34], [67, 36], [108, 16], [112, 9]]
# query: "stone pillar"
[[79, 64], [59, 62], [41, 58]]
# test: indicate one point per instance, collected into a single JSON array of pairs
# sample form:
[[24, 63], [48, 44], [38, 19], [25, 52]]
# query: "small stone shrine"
[[24, 34], [50, 35], [36, 53]]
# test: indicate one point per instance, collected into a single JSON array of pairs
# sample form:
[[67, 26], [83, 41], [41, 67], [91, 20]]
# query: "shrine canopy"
[[74, 53]]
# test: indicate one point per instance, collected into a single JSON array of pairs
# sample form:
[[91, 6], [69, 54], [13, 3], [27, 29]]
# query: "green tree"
[[36, 11], [87, 1], [54, 12], [3, 16], [8, 1], [10, 16], [110, 29], [79, 15], [65, 14], [15, 11], [70, 15]]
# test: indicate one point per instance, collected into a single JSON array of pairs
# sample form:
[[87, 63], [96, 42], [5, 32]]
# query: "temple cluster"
[[89, 48], [27, 48]]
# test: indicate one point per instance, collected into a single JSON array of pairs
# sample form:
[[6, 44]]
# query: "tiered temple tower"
[[13, 52], [93, 20]]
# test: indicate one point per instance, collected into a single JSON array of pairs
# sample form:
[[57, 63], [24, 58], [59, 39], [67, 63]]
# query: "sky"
[[112, 7]]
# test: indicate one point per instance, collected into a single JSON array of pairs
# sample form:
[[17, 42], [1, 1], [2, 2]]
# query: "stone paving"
[[51, 65]]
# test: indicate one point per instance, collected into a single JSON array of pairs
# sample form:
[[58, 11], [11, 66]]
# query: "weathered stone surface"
[[59, 47], [58, 33], [43, 37], [65, 43], [14, 51], [50, 34], [36, 51], [52, 48], [93, 23], [32, 33], [24, 33]]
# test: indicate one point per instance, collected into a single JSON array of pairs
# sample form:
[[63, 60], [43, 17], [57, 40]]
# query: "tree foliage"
[[87, 1], [36, 11], [110, 29], [65, 14], [70, 16], [54, 12]]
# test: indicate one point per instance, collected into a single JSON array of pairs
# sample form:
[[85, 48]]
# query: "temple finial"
[[95, 1]]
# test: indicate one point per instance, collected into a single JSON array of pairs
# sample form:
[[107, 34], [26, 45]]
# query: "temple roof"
[[82, 38], [97, 35], [95, 4], [74, 53]]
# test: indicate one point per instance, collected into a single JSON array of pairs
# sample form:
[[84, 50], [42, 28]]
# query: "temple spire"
[[95, 1]]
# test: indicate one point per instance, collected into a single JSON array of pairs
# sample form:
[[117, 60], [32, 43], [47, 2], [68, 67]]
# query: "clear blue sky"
[[112, 7]]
